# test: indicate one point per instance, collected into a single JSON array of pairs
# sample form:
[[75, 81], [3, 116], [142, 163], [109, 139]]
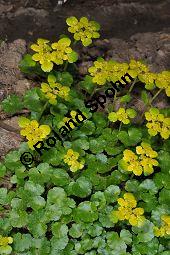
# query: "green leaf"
[[22, 242], [145, 97], [60, 177], [99, 200], [95, 230], [2, 170], [81, 188], [135, 135], [112, 193], [148, 185], [32, 100], [3, 196], [86, 212], [34, 188], [164, 161], [87, 84], [12, 104], [72, 57], [145, 232], [125, 99], [126, 236], [59, 230], [65, 78], [88, 127], [164, 196], [162, 180], [27, 65], [76, 230]]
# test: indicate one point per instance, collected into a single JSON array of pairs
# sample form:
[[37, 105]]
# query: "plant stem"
[[155, 96], [133, 84], [120, 126], [44, 108], [65, 66]]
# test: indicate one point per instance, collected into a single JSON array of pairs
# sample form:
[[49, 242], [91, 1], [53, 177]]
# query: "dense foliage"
[[105, 188]]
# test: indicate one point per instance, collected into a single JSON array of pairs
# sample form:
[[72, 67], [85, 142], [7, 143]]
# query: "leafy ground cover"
[[105, 190]]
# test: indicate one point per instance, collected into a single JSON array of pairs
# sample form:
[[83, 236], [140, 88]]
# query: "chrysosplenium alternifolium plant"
[[103, 189]]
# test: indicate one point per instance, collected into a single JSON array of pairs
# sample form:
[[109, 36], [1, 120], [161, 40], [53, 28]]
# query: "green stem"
[[153, 98], [120, 126], [65, 66], [44, 108], [133, 84]]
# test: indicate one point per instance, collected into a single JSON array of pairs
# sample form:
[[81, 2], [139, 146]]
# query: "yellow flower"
[[145, 149], [132, 162], [159, 232], [127, 210], [163, 81], [166, 221], [63, 51], [147, 164], [165, 229], [54, 89], [157, 123], [43, 54], [136, 218], [4, 245], [83, 30], [33, 131], [99, 72], [149, 79], [103, 71], [122, 115], [71, 158], [142, 162], [136, 68]]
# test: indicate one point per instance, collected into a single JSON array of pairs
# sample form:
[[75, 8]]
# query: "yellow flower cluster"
[[157, 123], [136, 68], [54, 89], [149, 79], [57, 53], [122, 115], [33, 131], [141, 162], [127, 210], [163, 81], [103, 71], [165, 229], [71, 158], [83, 29], [66, 119], [4, 245]]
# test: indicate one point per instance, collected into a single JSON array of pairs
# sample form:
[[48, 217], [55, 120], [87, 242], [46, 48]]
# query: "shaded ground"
[[30, 19], [133, 29]]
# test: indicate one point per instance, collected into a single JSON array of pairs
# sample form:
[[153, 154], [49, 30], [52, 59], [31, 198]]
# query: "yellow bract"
[[56, 53], [4, 245], [165, 229], [103, 71], [122, 115], [136, 68], [157, 123], [54, 90], [83, 29], [163, 81], [141, 162], [33, 131], [66, 119], [43, 54], [71, 158], [127, 210]]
